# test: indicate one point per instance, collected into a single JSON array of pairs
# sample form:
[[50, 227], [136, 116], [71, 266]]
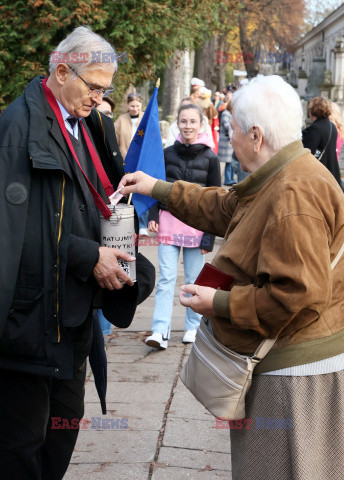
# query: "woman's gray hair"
[[273, 105], [84, 50]]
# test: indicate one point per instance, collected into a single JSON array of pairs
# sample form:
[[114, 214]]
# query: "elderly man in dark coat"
[[52, 262]]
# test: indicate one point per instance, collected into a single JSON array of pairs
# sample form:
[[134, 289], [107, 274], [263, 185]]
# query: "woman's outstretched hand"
[[137, 182], [201, 299]]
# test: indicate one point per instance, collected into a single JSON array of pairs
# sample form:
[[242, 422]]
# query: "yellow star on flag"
[[141, 133]]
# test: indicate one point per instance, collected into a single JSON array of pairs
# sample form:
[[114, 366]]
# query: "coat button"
[[82, 208], [57, 214], [114, 153], [56, 370]]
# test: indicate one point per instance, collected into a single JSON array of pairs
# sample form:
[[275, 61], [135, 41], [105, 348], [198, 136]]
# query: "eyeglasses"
[[184, 123], [94, 92]]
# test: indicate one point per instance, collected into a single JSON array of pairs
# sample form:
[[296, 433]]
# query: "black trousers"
[[30, 449]]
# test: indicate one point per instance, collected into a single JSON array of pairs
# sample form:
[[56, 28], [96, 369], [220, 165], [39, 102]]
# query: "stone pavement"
[[158, 430]]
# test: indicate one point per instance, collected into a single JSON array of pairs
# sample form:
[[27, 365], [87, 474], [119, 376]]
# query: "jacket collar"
[[255, 182], [189, 150], [39, 126]]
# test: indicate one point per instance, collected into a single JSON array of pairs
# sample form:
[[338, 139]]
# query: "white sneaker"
[[189, 336], [156, 341]]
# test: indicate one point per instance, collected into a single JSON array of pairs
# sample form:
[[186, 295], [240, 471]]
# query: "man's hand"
[[201, 300], [153, 226], [137, 182], [108, 272], [204, 251]]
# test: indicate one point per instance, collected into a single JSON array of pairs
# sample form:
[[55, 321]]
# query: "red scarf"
[[106, 212]]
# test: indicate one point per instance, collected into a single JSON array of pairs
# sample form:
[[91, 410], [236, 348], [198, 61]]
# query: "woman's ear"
[[257, 136]]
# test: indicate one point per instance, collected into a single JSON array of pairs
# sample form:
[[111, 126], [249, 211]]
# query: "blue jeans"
[[104, 324], [143, 220], [168, 265], [241, 175], [229, 175]]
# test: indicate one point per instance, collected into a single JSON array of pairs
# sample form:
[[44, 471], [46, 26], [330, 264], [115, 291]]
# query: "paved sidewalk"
[[158, 430]]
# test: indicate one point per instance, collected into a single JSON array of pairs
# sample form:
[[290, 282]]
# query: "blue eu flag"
[[146, 152]]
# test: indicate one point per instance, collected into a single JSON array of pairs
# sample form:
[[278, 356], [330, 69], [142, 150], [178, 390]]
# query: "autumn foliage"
[[270, 25]]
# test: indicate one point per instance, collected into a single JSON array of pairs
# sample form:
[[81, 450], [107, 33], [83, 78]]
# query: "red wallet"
[[211, 276]]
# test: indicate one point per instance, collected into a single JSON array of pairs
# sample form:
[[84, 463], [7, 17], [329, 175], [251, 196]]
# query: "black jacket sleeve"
[[82, 256], [213, 180], [153, 213], [311, 138]]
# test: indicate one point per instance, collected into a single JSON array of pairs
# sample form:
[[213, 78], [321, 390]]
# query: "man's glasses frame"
[[93, 91]]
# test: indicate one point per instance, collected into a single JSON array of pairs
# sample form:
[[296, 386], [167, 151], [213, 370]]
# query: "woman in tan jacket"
[[126, 125], [125, 128], [282, 227]]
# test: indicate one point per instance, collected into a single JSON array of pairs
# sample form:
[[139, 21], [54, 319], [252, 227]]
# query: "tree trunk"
[[174, 88], [210, 63], [187, 74], [248, 50]]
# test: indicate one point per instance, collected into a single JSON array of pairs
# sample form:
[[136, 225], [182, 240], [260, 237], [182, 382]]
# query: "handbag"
[[220, 378], [217, 376]]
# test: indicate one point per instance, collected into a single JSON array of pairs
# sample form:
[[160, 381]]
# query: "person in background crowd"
[[190, 158], [205, 99], [232, 87], [321, 136], [282, 227], [173, 131], [196, 84], [217, 100], [126, 124], [226, 101], [213, 119], [52, 262], [336, 119], [107, 107], [125, 127], [225, 146]]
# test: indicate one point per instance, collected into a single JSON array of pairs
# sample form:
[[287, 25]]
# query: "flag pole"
[[157, 85]]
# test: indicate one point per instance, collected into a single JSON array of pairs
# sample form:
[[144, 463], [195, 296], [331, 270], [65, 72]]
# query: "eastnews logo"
[[95, 423], [179, 240], [258, 423], [84, 57], [249, 57]]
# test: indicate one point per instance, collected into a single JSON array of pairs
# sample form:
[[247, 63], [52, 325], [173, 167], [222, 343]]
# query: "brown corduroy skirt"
[[294, 429]]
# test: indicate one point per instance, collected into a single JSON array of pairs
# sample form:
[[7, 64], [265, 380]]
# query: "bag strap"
[[322, 153], [338, 257], [265, 346]]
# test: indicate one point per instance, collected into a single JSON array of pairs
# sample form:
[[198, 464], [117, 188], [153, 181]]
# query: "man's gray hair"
[[84, 50], [273, 105]]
